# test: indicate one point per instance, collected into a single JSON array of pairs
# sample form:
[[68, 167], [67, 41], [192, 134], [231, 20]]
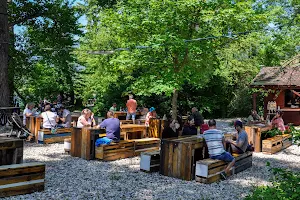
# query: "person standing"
[[131, 108], [216, 147], [198, 119]]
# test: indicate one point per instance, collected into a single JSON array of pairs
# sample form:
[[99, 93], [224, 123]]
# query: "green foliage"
[[42, 63], [296, 135], [271, 133], [285, 186]]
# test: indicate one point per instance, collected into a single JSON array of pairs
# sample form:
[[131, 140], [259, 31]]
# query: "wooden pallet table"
[[150, 161], [134, 130], [254, 135], [277, 143], [46, 137], [115, 151], [178, 156], [83, 141], [209, 170], [11, 151], [122, 115], [23, 178]]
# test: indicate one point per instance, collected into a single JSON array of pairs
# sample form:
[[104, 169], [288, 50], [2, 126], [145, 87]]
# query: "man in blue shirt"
[[241, 144], [216, 147], [112, 126]]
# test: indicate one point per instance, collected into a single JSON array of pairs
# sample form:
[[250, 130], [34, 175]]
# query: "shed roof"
[[287, 75]]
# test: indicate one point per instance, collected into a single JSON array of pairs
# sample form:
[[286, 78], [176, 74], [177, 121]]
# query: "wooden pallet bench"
[[150, 161], [209, 170], [115, 151], [46, 137], [277, 143], [20, 179], [145, 144]]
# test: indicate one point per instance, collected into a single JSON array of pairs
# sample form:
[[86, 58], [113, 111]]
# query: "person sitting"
[[64, 117], [150, 114], [144, 113], [241, 144], [50, 118], [197, 117], [277, 121], [171, 130], [113, 108], [28, 111], [253, 117], [216, 147], [86, 118], [112, 126], [189, 128]]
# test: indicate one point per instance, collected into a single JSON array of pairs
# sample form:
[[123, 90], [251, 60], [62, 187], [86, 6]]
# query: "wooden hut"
[[283, 86]]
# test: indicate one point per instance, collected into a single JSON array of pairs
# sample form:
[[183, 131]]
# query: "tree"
[[4, 40], [42, 62], [164, 59]]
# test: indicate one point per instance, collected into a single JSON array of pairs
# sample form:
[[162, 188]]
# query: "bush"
[[285, 186]]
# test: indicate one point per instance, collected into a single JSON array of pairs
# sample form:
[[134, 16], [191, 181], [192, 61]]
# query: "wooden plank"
[[22, 188], [138, 152], [22, 178], [55, 139], [20, 169]]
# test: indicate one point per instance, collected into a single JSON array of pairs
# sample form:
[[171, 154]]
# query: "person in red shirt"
[[131, 108]]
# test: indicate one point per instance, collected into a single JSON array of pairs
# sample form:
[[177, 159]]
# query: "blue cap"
[[151, 109]]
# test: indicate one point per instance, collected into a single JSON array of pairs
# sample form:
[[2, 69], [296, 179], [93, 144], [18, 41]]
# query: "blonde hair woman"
[[28, 111], [86, 118]]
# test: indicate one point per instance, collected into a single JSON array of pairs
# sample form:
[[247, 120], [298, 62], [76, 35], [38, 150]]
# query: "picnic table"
[[254, 135], [134, 129], [122, 114]]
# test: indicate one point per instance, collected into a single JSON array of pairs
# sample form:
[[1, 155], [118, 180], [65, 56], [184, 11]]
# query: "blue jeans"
[[130, 115], [226, 157]]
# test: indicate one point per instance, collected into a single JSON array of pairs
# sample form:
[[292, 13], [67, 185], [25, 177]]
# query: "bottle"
[[198, 130]]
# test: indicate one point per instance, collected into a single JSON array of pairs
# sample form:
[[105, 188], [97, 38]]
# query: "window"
[[292, 98]]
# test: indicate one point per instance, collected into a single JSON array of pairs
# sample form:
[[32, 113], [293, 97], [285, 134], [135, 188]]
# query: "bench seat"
[[46, 137], [209, 170], [115, 151], [150, 161], [20, 179], [145, 145]]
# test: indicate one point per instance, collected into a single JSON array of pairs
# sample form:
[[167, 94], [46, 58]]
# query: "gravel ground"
[[74, 178]]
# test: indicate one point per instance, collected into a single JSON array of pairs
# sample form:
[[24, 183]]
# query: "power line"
[[107, 52]]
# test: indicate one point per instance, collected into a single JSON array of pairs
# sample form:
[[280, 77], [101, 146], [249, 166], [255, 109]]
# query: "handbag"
[[53, 128]]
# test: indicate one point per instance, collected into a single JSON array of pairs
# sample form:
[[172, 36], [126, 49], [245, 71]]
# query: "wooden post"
[[254, 101]]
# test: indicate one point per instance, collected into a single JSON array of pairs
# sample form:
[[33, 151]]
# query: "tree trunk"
[[4, 39], [174, 104]]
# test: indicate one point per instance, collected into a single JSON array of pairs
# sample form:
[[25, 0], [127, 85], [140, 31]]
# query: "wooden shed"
[[283, 86]]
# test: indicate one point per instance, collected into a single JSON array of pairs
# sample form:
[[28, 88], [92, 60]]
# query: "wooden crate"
[[115, 151], [254, 135], [154, 130], [209, 170], [150, 161], [286, 141], [46, 137], [277, 143], [83, 142], [11, 151], [178, 156], [23, 178], [145, 144]]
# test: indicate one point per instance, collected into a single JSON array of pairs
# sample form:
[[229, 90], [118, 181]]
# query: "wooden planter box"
[[277, 143], [209, 170], [178, 156], [19, 179], [11, 151]]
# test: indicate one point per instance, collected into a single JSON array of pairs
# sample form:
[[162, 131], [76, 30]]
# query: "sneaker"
[[223, 176]]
